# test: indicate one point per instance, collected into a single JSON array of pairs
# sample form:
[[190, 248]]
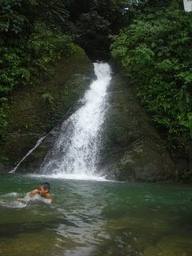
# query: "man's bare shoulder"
[[49, 196], [34, 192]]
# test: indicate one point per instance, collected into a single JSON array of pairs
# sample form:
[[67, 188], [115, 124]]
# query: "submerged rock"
[[170, 246], [132, 148]]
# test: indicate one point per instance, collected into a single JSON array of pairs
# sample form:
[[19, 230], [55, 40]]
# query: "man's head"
[[44, 188]]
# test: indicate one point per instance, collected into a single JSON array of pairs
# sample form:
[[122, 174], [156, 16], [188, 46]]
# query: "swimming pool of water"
[[96, 218]]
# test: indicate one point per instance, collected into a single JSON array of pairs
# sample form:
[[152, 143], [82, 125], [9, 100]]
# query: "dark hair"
[[46, 185]]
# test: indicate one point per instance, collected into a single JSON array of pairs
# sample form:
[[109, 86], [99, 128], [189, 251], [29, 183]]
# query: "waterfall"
[[75, 153]]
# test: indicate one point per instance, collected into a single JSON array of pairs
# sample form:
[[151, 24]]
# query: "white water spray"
[[75, 153]]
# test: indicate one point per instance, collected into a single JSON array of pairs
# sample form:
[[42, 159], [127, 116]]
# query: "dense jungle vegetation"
[[156, 54], [150, 40], [36, 33]]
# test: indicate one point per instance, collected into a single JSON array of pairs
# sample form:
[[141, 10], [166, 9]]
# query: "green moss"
[[155, 54], [35, 110], [132, 148]]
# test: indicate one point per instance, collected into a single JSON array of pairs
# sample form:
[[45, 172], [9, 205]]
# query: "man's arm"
[[33, 192], [50, 198], [30, 194]]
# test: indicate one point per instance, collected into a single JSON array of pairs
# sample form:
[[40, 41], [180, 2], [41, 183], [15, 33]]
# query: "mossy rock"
[[33, 111], [132, 148]]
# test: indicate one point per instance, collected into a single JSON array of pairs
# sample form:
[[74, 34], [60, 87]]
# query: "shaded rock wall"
[[34, 111], [132, 148]]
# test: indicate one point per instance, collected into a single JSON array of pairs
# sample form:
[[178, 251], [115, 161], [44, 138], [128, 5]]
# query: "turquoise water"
[[96, 218]]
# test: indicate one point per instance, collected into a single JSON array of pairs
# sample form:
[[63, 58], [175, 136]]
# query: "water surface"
[[96, 218]]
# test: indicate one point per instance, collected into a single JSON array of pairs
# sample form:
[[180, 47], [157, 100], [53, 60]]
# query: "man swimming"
[[42, 190]]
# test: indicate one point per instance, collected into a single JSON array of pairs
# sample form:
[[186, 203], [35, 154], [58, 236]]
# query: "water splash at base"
[[75, 153], [69, 177]]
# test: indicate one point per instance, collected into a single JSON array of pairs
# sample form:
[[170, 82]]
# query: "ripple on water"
[[97, 219]]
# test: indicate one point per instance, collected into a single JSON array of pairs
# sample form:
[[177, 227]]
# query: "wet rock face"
[[35, 110], [132, 148]]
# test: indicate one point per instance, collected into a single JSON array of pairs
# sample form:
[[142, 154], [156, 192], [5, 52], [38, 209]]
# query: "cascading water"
[[75, 152]]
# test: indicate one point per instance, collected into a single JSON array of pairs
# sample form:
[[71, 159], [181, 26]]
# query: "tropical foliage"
[[154, 49], [156, 54], [30, 40], [34, 33]]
